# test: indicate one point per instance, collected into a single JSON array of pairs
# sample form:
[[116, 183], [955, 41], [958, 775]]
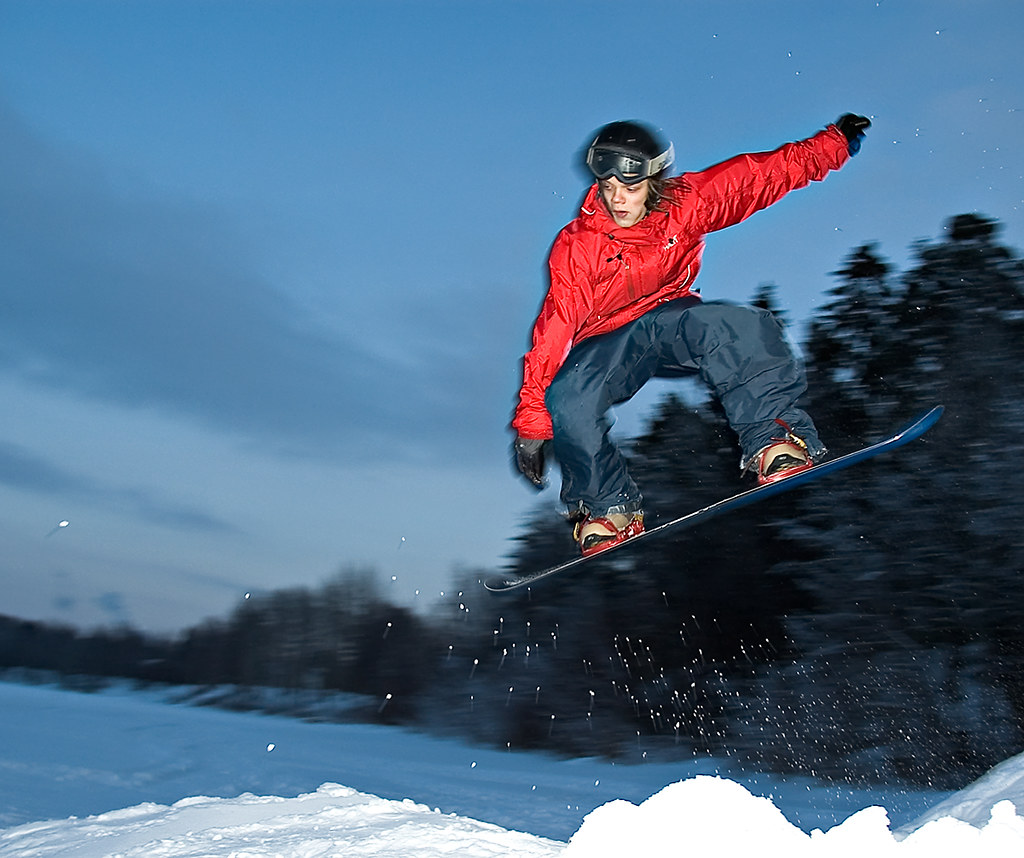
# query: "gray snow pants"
[[740, 352]]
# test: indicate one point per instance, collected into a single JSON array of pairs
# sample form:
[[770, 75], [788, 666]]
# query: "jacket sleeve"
[[565, 307], [733, 190]]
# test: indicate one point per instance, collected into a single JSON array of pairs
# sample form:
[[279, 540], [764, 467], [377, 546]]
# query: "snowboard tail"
[[914, 430]]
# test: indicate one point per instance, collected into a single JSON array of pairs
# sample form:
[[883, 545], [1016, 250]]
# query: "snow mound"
[[702, 815], [332, 821], [715, 816], [706, 812]]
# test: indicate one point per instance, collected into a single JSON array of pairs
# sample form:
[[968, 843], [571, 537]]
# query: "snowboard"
[[511, 581]]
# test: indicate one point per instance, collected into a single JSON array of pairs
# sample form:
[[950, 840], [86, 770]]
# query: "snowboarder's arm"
[[565, 308], [733, 190]]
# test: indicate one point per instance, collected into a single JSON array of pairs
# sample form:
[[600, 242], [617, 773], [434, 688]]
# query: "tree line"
[[867, 627]]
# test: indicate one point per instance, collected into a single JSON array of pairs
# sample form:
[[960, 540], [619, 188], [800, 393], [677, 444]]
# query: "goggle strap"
[[656, 165]]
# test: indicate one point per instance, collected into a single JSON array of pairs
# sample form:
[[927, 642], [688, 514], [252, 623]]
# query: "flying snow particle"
[[60, 524]]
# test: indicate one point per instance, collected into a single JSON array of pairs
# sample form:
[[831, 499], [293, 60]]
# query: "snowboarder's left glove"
[[530, 459], [852, 127]]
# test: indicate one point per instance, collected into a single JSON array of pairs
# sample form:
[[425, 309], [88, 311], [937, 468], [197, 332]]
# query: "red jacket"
[[604, 276]]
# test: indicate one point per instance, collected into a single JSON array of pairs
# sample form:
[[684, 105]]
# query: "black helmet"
[[630, 151]]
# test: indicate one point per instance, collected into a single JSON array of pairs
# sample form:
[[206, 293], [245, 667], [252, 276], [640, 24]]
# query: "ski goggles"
[[627, 168]]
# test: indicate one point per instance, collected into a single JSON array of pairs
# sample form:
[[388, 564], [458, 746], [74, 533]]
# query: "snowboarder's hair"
[[663, 190], [657, 186]]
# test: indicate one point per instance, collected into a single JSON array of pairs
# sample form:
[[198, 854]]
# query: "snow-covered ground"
[[127, 774]]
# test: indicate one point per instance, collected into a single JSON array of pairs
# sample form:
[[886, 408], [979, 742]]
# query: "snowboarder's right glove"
[[852, 127], [530, 459]]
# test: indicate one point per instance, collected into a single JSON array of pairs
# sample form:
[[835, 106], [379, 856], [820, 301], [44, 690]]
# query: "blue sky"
[[268, 268]]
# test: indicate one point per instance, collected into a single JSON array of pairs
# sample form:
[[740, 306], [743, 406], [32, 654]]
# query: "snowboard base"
[[509, 581]]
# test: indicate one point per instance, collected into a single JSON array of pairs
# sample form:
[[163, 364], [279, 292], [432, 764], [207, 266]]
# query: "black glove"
[[852, 127], [530, 459]]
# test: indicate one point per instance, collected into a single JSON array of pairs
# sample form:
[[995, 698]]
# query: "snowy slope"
[[973, 804], [65, 756]]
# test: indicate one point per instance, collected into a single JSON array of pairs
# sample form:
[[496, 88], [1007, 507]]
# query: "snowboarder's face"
[[627, 204]]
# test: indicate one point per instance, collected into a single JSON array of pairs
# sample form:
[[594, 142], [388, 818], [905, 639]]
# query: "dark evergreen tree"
[[914, 563], [848, 348], [341, 637], [964, 311], [766, 297]]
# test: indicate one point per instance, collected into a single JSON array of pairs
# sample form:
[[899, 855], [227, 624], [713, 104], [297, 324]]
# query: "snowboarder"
[[622, 308]]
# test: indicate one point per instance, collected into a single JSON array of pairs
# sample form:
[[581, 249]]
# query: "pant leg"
[[742, 354], [597, 374]]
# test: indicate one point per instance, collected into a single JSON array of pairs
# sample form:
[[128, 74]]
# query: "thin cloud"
[[22, 470], [151, 304]]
